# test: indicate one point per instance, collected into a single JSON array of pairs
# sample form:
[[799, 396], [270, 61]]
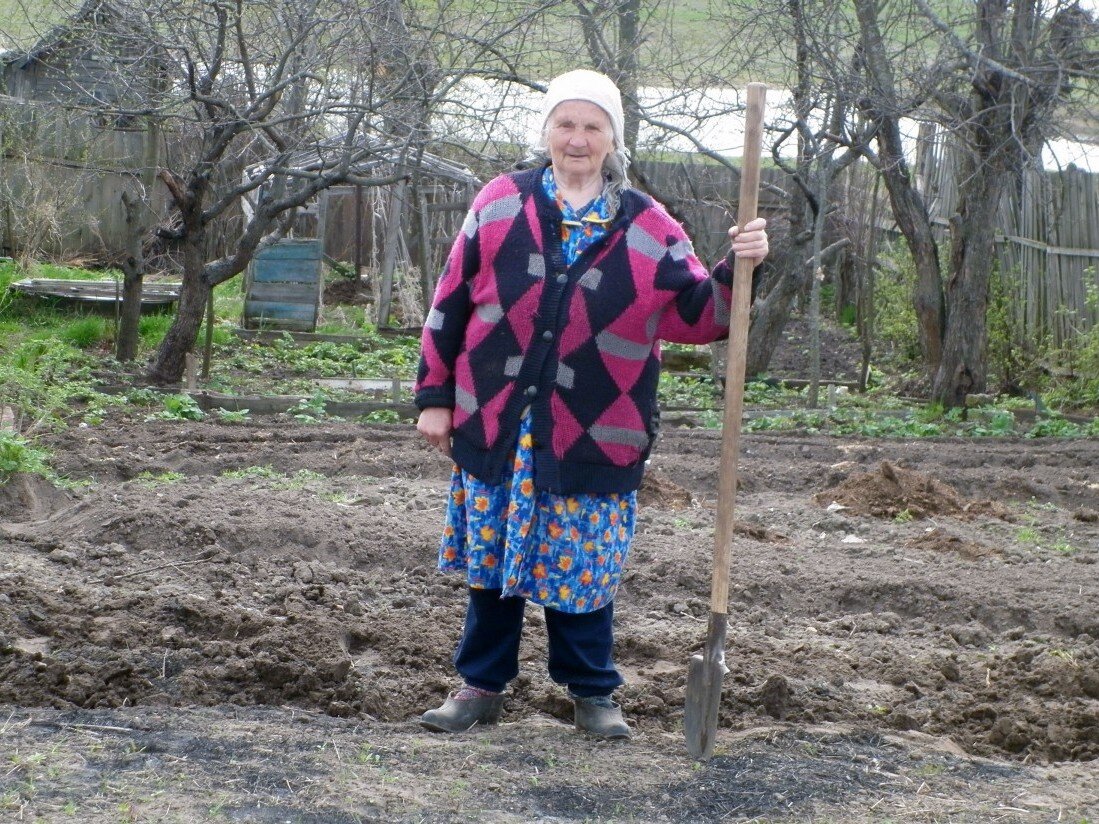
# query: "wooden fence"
[[357, 223], [1047, 241], [62, 178], [703, 194]]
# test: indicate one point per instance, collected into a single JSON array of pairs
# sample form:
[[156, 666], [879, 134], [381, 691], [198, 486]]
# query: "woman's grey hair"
[[615, 168]]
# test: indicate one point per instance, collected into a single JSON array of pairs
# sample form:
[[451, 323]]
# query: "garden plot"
[[242, 621]]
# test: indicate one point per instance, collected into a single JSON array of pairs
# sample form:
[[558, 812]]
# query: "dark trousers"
[[580, 645]]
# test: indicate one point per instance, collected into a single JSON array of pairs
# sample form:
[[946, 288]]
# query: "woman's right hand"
[[435, 424]]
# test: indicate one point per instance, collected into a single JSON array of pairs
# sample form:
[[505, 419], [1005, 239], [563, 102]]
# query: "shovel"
[[705, 671]]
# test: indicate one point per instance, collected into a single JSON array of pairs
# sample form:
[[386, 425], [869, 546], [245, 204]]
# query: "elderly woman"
[[538, 376]]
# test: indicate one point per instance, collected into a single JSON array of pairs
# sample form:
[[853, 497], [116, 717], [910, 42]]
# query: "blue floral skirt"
[[562, 551]]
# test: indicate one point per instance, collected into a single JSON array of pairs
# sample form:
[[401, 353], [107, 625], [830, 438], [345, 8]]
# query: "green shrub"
[[17, 454], [1056, 426], [41, 380], [1079, 357], [896, 330], [179, 408], [233, 415]]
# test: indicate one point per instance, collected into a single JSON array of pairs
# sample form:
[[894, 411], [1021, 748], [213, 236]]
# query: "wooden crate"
[[283, 287]]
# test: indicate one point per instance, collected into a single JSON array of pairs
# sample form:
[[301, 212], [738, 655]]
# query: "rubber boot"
[[601, 717], [462, 711]]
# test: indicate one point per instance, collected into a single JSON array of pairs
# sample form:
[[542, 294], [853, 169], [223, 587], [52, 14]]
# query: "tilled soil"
[[241, 622]]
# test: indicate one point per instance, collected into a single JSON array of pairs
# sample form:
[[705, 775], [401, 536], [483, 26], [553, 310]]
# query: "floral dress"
[[565, 552]]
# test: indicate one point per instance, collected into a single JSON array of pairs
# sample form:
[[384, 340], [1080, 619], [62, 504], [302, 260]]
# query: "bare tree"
[[995, 80], [883, 104], [263, 86], [252, 109]]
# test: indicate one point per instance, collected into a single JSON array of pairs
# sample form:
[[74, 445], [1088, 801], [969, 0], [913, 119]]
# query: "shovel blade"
[[704, 676]]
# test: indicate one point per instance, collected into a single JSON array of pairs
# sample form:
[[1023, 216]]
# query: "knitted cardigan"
[[511, 326]]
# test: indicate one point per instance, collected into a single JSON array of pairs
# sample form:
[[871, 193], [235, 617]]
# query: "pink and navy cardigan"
[[511, 326]]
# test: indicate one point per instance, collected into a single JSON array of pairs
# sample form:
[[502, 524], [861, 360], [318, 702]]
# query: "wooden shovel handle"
[[737, 354]]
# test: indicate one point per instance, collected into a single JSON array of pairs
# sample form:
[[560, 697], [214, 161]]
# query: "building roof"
[[379, 156], [95, 11]]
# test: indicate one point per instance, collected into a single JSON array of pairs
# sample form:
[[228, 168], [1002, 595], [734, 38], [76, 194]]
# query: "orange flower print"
[[594, 517], [512, 581], [539, 571], [489, 561], [581, 603], [621, 533], [524, 529], [480, 503], [543, 594], [574, 534], [589, 546], [572, 504], [559, 508], [623, 504], [512, 508], [526, 487], [448, 531], [606, 579], [459, 496], [607, 536], [564, 563], [563, 592], [618, 557], [527, 441], [488, 533], [613, 518], [586, 577], [555, 530], [544, 548], [449, 553], [518, 464]]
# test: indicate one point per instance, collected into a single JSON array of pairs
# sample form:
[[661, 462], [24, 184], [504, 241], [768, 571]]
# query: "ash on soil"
[[277, 608]]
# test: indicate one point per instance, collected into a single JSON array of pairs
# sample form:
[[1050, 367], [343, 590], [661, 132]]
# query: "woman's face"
[[579, 138]]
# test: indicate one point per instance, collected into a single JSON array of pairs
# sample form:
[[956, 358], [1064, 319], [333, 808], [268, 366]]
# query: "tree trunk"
[[908, 207], [629, 41], [133, 276], [867, 282], [171, 355], [816, 276], [770, 313], [139, 217], [915, 224], [389, 253], [963, 369]]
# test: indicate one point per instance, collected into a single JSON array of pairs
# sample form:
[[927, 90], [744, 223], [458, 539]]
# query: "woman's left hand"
[[751, 241]]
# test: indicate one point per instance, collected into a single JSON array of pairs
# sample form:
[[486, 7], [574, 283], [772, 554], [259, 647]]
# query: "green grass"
[[87, 332]]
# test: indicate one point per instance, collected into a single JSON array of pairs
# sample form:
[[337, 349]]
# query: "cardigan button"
[[547, 335], [532, 391], [562, 278]]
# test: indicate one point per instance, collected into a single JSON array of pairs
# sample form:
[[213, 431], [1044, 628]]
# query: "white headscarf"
[[596, 88]]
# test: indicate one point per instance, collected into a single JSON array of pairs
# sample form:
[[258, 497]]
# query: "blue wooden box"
[[283, 287]]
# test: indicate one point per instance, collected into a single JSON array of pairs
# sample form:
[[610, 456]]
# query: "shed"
[[354, 221], [404, 226], [70, 151], [101, 57]]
